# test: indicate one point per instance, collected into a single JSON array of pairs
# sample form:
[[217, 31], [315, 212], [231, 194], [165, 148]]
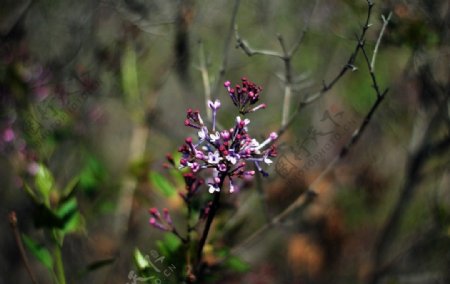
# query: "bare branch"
[[242, 44], [286, 56], [349, 66], [377, 45], [306, 198]]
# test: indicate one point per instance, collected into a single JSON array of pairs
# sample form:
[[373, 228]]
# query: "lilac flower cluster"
[[246, 96], [227, 151]]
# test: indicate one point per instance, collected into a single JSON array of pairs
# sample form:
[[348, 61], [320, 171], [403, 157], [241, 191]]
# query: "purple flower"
[[8, 135], [213, 158], [165, 223], [246, 96], [214, 107], [226, 151]]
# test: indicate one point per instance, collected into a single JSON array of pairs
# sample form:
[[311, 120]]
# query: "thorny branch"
[[305, 199]]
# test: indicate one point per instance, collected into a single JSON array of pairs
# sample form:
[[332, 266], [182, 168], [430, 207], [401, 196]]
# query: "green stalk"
[[59, 266]]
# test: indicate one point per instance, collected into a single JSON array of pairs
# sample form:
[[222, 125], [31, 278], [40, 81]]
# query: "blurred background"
[[98, 90]]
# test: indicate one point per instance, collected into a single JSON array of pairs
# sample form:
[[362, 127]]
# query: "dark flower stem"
[[211, 214]]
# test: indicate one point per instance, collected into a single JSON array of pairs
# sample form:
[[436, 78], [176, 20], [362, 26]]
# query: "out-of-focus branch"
[[13, 223], [203, 68], [308, 196], [422, 149], [181, 43], [415, 163]]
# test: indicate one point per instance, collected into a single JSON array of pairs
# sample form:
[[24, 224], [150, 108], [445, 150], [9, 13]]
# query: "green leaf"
[[71, 218], [40, 252], [92, 174], [65, 218], [31, 194], [162, 184], [236, 264], [44, 181], [70, 187], [139, 259], [100, 263], [146, 270], [172, 242], [169, 245]]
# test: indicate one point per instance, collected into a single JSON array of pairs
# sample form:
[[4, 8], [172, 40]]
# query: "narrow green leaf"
[[168, 245], [162, 184], [31, 194], [139, 259], [92, 174], [40, 252], [95, 265], [100, 263], [70, 187], [44, 181], [71, 219]]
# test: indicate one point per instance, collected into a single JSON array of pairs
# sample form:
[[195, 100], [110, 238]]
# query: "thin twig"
[[226, 47], [249, 51], [205, 79], [288, 81], [13, 223], [262, 196], [377, 45]]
